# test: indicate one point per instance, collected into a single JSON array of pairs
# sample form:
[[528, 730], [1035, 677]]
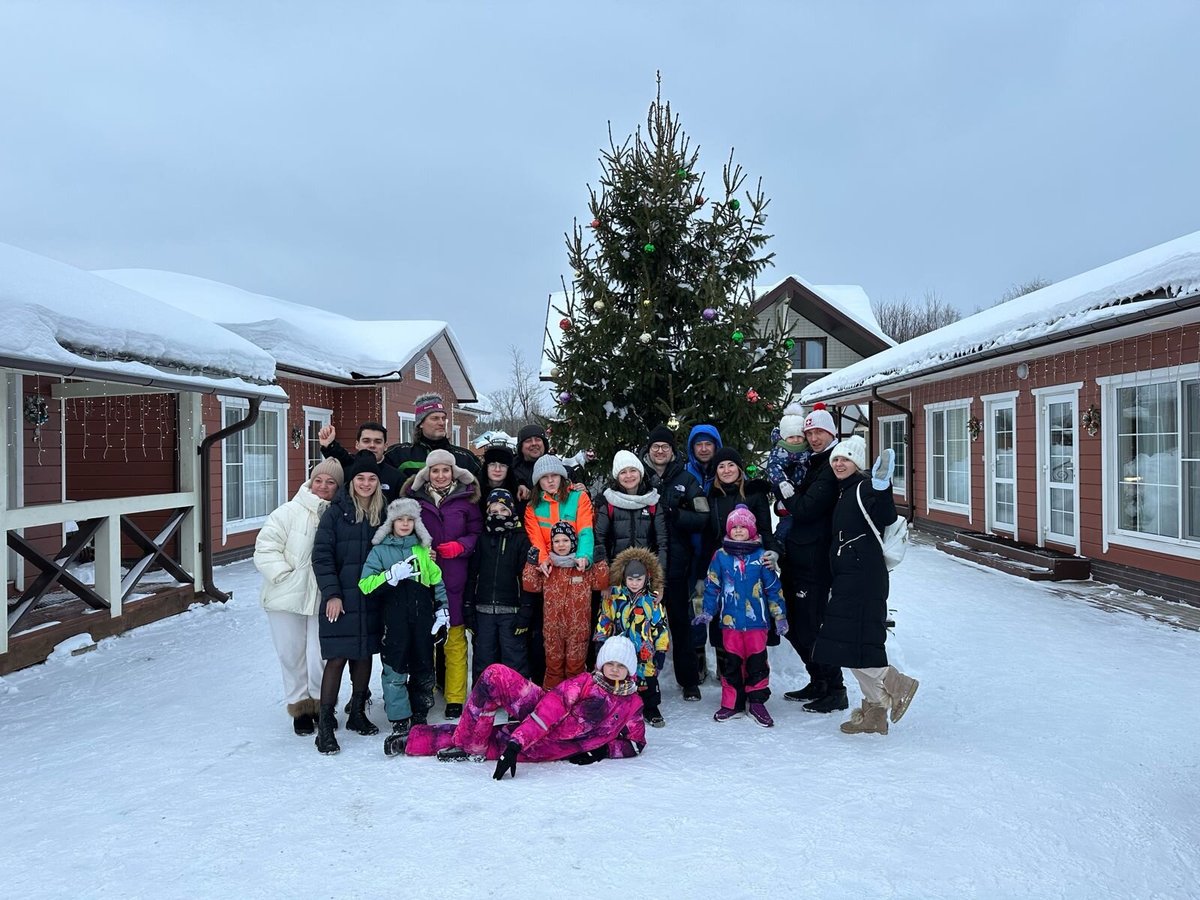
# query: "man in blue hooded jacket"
[[702, 444]]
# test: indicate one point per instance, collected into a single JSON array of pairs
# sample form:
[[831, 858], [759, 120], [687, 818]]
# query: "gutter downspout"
[[912, 464], [206, 445]]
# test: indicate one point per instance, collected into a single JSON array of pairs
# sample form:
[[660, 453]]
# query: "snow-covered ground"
[[1051, 752]]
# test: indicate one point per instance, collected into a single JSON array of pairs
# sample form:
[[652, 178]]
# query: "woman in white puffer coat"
[[283, 556]]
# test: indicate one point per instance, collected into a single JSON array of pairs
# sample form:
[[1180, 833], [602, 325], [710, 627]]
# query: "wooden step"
[[1065, 566], [996, 561]]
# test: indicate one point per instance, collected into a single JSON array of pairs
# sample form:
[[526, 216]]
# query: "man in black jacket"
[[677, 490], [371, 436], [430, 413], [807, 576], [533, 443]]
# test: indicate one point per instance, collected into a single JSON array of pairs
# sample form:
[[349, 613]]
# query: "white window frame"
[[322, 417], [423, 369], [1041, 395], [902, 467], [1111, 534], [457, 430], [239, 526], [962, 509], [990, 401], [410, 420]]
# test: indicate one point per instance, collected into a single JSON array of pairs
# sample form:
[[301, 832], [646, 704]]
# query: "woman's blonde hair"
[[371, 510]]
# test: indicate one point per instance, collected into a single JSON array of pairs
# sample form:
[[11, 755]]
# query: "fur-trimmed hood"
[[654, 572], [405, 506]]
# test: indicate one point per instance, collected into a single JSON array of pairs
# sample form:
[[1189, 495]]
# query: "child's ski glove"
[[702, 619], [399, 572], [441, 620], [450, 549], [507, 761], [786, 490], [881, 472], [781, 626], [587, 757], [771, 560]]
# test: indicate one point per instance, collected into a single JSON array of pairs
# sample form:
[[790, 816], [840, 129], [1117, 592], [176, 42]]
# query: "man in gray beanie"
[[429, 411]]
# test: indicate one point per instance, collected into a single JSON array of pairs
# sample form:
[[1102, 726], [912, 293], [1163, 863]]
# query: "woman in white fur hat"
[[629, 513], [853, 633]]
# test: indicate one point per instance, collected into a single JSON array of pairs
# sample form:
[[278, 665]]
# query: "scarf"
[[620, 500], [616, 688], [562, 562], [440, 494], [500, 524], [740, 548]]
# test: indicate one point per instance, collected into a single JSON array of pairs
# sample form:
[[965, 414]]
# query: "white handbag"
[[894, 540]]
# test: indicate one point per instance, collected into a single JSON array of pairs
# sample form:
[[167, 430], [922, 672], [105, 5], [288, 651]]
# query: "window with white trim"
[[423, 370], [457, 436], [253, 464], [314, 420], [893, 433], [949, 463], [408, 427], [1155, 428]]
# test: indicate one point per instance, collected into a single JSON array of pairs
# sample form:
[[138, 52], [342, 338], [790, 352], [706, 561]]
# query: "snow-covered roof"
[[304, 338], [1139, 282], [60, 318], [850, 300]]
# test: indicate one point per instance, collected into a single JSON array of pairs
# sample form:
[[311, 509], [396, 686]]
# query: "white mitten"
[[786, 491]]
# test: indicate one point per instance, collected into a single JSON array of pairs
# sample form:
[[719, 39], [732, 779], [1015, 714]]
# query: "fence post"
[[108, 562]]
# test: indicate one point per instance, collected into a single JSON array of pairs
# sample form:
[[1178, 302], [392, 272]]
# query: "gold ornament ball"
[[598, 306], [673, 423], [646, 303], [645, 338], [555, 372]]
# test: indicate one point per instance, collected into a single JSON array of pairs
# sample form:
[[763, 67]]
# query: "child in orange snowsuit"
[[567, 595]]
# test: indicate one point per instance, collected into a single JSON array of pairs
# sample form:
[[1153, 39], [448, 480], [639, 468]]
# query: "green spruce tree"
[[657, 325]]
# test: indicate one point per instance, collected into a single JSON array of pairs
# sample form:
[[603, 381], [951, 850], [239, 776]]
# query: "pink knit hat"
[[741, 515]]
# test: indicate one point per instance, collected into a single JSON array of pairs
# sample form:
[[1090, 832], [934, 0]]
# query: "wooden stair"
[[1023, 560]]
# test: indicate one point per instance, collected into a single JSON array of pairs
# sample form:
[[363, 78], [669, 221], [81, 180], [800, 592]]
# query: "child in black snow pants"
[[495, 609], [401, 572]]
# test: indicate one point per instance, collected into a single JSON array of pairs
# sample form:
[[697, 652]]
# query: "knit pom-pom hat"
[[742, 516], [820, 418], [792, 422]]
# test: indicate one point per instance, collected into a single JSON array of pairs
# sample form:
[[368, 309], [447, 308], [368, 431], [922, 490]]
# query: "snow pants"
[[566, 630], [498, 688], [745, 672], [455, 688], [297, 640], [495, 641]]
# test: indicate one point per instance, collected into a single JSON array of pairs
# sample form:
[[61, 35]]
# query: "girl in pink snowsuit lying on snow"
[[592, 716]]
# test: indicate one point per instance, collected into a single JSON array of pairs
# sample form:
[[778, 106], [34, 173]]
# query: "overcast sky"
[[422, 160]]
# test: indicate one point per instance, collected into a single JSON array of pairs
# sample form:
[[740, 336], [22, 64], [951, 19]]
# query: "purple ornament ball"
[[709, 314], [564, 397]]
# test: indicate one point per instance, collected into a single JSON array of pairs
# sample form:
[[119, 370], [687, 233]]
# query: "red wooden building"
[[1056, 433]]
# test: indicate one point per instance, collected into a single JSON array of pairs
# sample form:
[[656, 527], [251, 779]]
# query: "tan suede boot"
[[871, 719], [900, 689]]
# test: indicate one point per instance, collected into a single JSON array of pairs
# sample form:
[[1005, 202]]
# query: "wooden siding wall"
[[43, 467], [1155, 350], [123, 447]]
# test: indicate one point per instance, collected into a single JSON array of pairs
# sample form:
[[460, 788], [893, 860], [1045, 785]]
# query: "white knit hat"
[[792, 422], [626, 460], [853, 448], [820, 418], [618, 648]]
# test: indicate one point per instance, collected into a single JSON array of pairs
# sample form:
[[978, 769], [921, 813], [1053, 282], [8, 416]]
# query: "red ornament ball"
[[752, 395], [564, 324], [595, 223]]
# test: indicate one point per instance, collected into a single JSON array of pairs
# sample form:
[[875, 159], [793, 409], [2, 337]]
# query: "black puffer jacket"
[[494, 574], [757, 499], [677, 490], [339, 551], [629, 520], [853, 632], [811, 508], [410, 458], [389, 478]]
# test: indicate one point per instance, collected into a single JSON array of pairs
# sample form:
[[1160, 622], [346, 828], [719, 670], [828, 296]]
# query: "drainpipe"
[[912, 456], [206, 445]]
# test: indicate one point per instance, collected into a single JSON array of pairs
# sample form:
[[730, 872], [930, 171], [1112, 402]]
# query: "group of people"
[[404, 552]]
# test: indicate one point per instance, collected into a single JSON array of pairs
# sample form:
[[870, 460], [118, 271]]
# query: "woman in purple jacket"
[[449, 498]]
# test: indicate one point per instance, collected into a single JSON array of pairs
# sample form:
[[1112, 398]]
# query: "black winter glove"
[[469, 619], [587, 757], [507, 761]]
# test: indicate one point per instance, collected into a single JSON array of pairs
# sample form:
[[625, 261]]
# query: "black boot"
[[834, 699], [393, 744], [350, 702], [358, 720], [304, 724], [814, 690], [326, 742]]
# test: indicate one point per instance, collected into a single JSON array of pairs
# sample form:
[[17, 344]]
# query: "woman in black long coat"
[[854, 630], [351, 625]]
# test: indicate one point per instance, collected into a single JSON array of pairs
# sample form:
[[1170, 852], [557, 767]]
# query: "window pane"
[[958, 488], [1148, 462], [814, 353], [1191, 467]]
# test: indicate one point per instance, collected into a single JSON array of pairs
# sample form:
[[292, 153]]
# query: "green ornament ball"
[[681, 173], [789, 343], [738, 337], [752, 470], [735, 204], [649, 248]]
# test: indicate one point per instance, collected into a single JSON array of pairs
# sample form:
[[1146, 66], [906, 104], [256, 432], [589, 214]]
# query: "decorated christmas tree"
[[656, 325]]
